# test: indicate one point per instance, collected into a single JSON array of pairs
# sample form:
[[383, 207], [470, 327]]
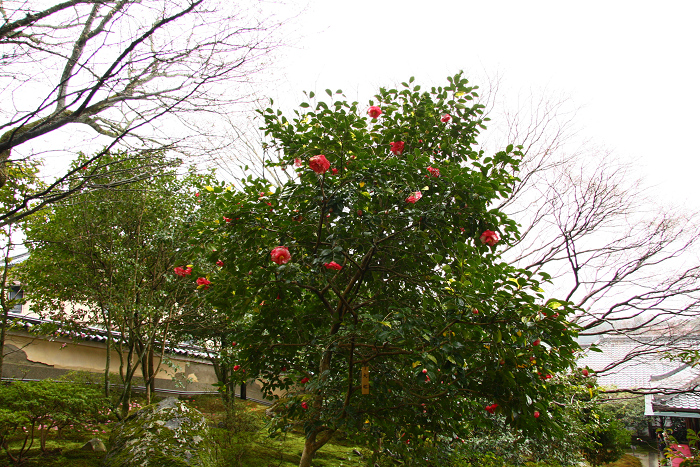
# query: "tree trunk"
[[4, 306], [223, 376], [3, 327], [152, 369], [145, 372], [126, 399], [308, 453], [315, 441], [108, 358], [43, 434]]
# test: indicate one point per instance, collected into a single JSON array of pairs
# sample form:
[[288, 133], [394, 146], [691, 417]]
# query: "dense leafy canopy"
[[389, 269], [106, 258]]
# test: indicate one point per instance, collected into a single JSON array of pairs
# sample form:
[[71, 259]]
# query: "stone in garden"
[[95, 445], [168, 433]]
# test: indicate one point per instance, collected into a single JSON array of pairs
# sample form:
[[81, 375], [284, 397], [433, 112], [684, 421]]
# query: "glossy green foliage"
[[444, 327], [33, 408], [112, 249]]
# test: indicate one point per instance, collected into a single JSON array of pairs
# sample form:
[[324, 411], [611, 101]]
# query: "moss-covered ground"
[[627, 460], [244, 443]]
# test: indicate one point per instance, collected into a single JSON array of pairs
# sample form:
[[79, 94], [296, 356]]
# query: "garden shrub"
[[31, 408]]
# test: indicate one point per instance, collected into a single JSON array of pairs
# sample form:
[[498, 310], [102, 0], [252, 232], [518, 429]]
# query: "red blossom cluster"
[[319, 164], [434, 172], [491, 408], [203, 282], [414, 197], [489, 237], [182, 271], [397, 147]]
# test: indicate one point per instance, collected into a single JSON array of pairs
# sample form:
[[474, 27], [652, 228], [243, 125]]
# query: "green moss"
[[626, 460]]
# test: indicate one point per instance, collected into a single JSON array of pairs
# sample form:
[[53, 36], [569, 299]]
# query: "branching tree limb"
[[138, 74]]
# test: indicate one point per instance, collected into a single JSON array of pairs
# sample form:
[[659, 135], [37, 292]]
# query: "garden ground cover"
[[245, 444]]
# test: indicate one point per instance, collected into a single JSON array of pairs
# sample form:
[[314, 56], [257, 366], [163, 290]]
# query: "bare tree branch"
[[140, 74]]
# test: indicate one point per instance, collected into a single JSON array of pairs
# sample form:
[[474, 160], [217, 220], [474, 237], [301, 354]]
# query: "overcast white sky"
[[631, 67]]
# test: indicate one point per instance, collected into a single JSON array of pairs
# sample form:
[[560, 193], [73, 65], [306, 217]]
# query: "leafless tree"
[[627, 261], [145, 75]]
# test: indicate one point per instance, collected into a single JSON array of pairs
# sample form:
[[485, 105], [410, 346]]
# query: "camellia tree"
[[369, 286]]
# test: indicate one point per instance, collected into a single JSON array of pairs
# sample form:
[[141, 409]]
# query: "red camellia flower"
[[319, 164], [304, 405], [536, 414], [304, 380], [280, 255], [434, 172], [414, 197], [236, 367], [220, 263], [203, 281], [333, 265], [491, 408], [374, 111], [227, 219], [446, 118], [489, 237], [182, 271], [397, 147], [334, 171]]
